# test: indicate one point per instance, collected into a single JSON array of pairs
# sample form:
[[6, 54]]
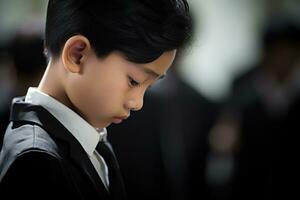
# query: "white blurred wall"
[[225, 43], [21, 14]]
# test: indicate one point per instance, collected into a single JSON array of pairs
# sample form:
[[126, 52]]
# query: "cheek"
[[78, 92], [97, 98]]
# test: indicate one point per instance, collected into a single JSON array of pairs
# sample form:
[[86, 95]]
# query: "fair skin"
[[100, 90]]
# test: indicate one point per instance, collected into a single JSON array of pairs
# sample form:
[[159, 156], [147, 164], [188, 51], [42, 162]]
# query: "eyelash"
[[132, 82]]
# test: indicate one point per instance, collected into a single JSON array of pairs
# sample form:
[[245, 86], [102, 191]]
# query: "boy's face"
[[107, 89]]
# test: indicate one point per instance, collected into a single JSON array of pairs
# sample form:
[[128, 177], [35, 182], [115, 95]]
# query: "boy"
[[103, 55]]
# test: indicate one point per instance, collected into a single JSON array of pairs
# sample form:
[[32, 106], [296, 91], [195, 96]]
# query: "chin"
[[101, 125]]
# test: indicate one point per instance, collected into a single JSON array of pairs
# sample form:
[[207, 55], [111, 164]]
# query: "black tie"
[[116, 185]]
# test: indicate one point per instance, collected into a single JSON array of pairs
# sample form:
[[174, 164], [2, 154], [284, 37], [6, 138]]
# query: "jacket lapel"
[[33, 114]]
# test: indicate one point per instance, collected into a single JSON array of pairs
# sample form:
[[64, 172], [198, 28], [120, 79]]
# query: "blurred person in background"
[[7, 86], [29, 60], [24, 63], [259, 122]]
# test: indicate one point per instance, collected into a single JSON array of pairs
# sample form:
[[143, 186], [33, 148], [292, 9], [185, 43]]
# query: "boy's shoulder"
[[28, 136], [23, 140]]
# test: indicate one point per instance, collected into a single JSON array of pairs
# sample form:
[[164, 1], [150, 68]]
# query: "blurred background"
[[222, 125]]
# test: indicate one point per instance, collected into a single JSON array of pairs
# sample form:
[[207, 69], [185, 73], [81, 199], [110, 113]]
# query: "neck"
[[52, 83]]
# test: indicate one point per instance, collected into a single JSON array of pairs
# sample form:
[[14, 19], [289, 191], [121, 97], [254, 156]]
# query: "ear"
[[74, 53]]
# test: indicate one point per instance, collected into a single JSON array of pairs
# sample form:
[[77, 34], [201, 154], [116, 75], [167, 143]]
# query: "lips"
[[118, 120]]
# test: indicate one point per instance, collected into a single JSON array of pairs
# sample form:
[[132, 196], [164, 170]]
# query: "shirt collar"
[[86, 135]]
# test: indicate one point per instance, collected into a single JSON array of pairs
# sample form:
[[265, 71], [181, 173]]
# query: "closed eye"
[[132, 82]]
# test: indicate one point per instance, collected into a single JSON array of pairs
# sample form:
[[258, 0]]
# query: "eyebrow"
[[153, 73]]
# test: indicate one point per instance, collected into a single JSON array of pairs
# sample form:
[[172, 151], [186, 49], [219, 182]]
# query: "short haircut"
[[140, 29]]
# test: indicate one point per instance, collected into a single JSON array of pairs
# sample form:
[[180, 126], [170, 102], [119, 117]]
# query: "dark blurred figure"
[[262, 116], [25, 55], [166, 159], [7, 82], [27, 52]]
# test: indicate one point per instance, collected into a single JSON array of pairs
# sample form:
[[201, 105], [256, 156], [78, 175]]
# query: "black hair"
[[140, 29]]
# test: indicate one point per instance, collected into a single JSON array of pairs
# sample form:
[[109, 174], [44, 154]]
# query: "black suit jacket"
[[40, 159]]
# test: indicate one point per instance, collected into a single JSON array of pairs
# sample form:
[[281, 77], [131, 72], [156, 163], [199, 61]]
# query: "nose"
[[135, 103]]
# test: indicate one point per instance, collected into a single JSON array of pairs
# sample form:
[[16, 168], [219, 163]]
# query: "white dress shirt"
[[86, 135]]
